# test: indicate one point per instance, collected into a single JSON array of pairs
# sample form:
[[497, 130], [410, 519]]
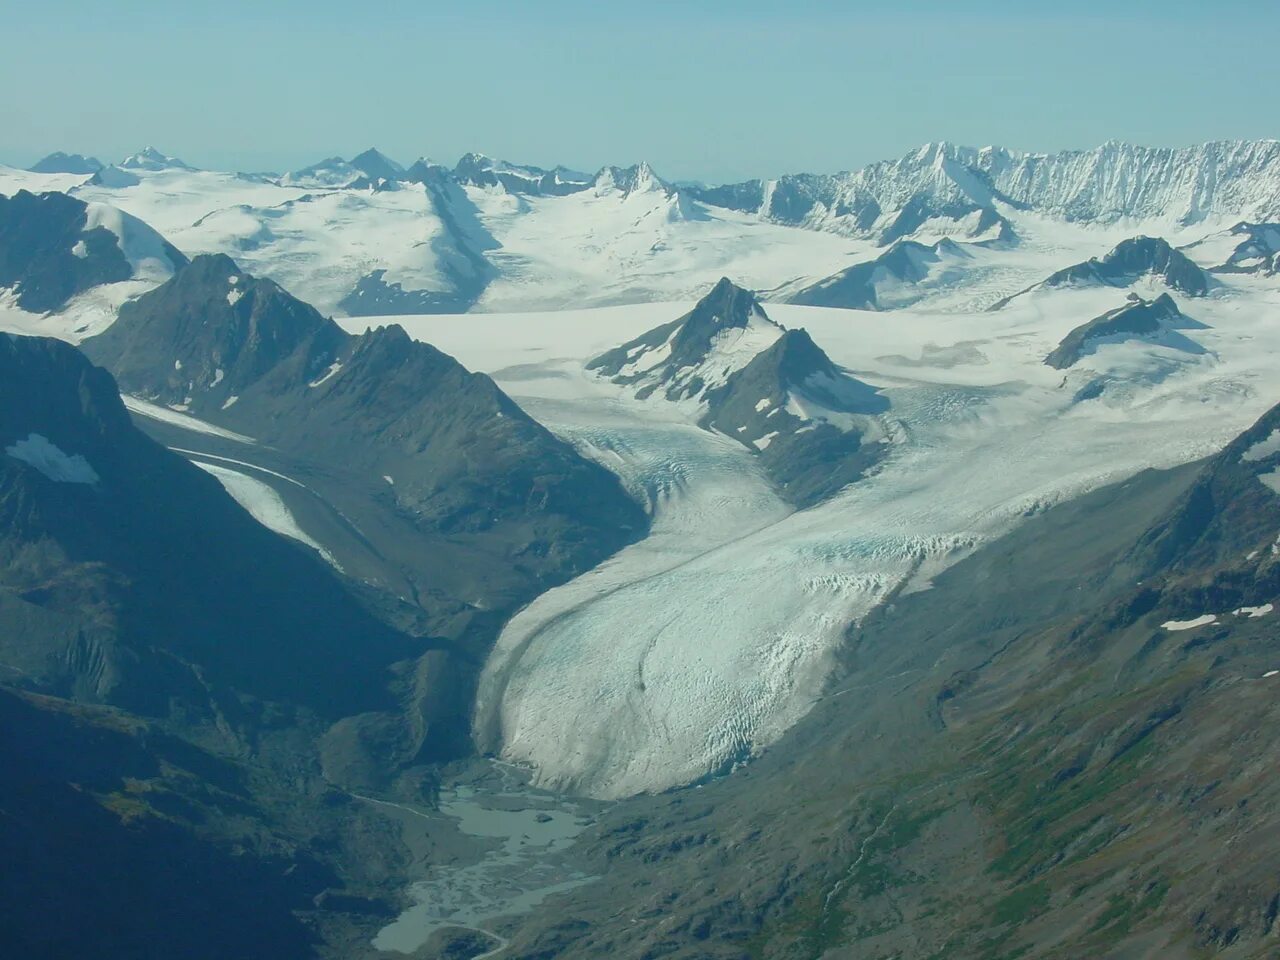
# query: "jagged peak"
[[149, 158], [637, 178], [730, 300]]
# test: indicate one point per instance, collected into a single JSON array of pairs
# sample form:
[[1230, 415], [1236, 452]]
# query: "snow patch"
[[264, 504], [178, 419], [1263, 448], [1201, 621], [1253, 613], [333, 369], [39, 452]]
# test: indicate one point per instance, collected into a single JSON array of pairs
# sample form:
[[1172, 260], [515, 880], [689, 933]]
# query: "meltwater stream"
[[522, 835]]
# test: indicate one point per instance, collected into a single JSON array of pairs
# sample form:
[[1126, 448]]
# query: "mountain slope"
[[1153, 321], [807, 418], [418, 478], [1041, 755], [890, 280], [1149, 259], [59, 162], [115, 844], [461, 455], [138, 582], [53, 246], [700, 350]]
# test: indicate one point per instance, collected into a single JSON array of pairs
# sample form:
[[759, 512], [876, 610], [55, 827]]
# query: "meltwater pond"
[[522, 835]]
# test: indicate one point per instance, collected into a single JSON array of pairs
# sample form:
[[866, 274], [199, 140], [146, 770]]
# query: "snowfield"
[[262, 503]]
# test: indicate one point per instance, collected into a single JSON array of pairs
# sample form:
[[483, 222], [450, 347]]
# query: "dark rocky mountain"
[[680, 356], [49, 252], [1258, 250], [59, 162], [211, 333], [422, 480], [805, 416], [185, 699], [1127, 263], [377, 166], [904, 263], [1023, 760], [1155, 321], [132, 578]]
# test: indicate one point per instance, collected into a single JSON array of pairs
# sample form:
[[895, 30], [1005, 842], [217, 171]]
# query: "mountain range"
[[489, 234], [441, 560]]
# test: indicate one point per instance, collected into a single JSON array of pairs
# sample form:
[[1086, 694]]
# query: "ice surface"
[[40, 452], [178, 419], [264, 504], [1201, 621], [1253, 613]]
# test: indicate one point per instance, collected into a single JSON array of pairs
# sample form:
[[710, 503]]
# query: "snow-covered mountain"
[[363, 170], [895, 278], [959, 189], [366, 237], [151, 159], [1245, 248], [1153, 321], [59, 162], [1138, 259], [66, 265], [475, 169], [696, 353]]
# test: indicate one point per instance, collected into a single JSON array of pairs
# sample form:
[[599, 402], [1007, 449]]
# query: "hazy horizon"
[[709, 91]]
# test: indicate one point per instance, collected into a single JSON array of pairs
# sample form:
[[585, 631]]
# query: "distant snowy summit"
[[940, 188], [59, 162], [966, 186], [151, 159]]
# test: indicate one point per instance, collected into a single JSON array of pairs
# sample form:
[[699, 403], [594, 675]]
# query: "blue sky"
[[713, 90]]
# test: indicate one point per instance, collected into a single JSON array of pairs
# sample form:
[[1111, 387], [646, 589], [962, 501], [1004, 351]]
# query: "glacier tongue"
[[701, 645]]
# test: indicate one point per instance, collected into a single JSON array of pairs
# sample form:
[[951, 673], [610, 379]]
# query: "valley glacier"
[[700, 645]]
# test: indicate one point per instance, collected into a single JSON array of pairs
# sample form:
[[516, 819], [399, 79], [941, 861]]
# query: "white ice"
[[40, 452]]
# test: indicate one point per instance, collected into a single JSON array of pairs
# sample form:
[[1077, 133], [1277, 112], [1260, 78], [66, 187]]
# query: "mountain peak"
[[1137, 319], [59, 162], [377, 165], [149, 158], [637, 178], [725, 305]]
